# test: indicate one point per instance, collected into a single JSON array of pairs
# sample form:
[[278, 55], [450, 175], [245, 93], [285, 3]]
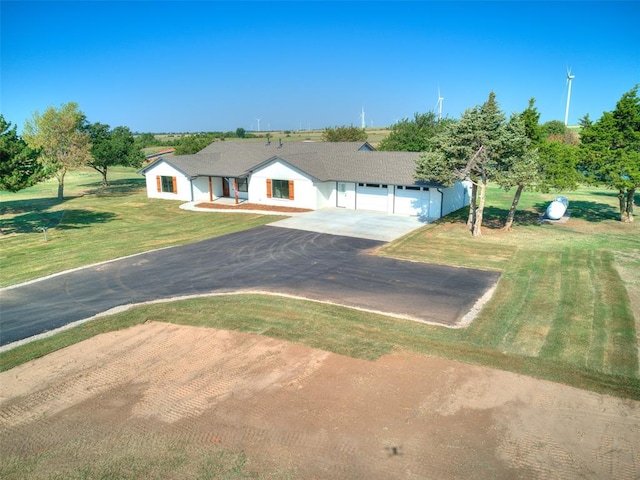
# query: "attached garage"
[[372, 196], [412, 200]]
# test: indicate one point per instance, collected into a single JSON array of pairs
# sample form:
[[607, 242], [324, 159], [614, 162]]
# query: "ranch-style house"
[[309, 175]]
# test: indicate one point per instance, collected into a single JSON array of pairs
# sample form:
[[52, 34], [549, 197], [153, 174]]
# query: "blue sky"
[[208, 66]]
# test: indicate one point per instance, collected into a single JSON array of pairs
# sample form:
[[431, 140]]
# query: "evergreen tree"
[[467, 150], [19, 167], [610, 151]]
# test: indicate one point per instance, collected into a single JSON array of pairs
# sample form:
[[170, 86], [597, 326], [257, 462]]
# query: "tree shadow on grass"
[[587, 210], [613, 194], [116, 188], [31, 205], [494, 217], [60, 219]]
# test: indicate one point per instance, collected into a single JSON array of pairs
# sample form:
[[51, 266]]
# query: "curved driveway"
[[307, 264]]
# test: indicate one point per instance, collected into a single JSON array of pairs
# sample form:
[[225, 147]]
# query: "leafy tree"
[[194, 143], [413, 135], [554, 127], [344, 134], [240, 132], [112, 147], [467, 150], [60, 139], [611, 150], [19, 167]]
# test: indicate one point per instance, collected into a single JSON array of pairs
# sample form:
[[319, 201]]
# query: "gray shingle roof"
[[325, 161]]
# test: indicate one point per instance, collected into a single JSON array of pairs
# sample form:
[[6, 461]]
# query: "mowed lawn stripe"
[[520, 306], [570, 334], [593, 325], [621, 354], [601, 312], [541, 295]]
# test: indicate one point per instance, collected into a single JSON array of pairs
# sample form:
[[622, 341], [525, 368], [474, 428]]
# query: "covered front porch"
[[210, 189]]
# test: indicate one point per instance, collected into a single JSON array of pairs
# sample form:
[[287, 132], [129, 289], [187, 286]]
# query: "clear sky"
[[165, 66]]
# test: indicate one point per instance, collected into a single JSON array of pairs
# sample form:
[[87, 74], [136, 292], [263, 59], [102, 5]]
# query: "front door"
[[225, 187], [342, 195]]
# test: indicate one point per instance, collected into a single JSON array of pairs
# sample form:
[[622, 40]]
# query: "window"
[[167, 184], [280, 189], [242, 185]]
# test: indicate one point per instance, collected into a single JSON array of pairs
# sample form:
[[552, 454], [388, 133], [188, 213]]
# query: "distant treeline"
[[188, 143]]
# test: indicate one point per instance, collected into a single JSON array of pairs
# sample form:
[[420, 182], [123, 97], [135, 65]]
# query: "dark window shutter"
[[268, 188], [159, 183], [290, 189]]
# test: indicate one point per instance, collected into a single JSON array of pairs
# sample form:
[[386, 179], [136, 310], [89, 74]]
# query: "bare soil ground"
[[296, 412]]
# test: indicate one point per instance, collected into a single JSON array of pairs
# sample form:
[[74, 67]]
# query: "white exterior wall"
[[456, 197], [216, 186], [305, 194], [165, 170], [326, 194], [391, 193], [201, 189]]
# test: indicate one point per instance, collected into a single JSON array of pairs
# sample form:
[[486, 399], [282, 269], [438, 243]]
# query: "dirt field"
[[161, 400]]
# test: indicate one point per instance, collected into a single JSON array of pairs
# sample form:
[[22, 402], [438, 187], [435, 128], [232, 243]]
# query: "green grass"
[[561, 311], [560, 298], [93, 224]]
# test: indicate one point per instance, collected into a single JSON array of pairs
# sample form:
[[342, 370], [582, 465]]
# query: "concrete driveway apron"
[[318, 266], [354, 223]]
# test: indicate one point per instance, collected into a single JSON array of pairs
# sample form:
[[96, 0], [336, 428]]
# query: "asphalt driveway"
[[318, 266]]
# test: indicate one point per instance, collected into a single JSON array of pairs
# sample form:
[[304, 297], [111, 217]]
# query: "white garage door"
[[412, 200], [371, 196]]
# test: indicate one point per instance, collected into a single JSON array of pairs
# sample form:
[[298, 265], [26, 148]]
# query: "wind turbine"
[[569, 78], [258, 119], [364, 124], [439, 104]]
